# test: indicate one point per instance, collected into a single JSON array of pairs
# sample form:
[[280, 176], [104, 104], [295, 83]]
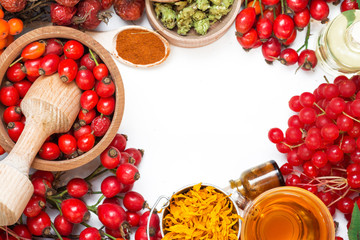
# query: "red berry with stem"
[[74, 210], [330, 132], [347, 88], [42, 187], [286, 169], [22, 231], [307, 115], [100, 71], [127, 173], [307, 99], [348, 5], [269, 14], [307, 60], [90, 233], [302, 19], [106, 106], [54, 46], [245, 20], [248, 39], [353, 168], [141, 233], [110, 158], [73, 49], [63, 226], [31, 67], [12, 114], [43, 174], [345, 205], [282, 147], [319, 159], [283, 26], [86, 142], [81, 130], [100, 125], [89, 100], [264, 29], [126, 158], [119, 142], [35, 205], [348, 144], [344, 123], [88, 61], [353, 180], [133, 218], [22, 87], [9, 96], [49, 64], [310, 170], [293, 180], [134, 201], [334, 154], [67, 69], [86, 118], [15, 73], [137, 154], [49, 151], [111, 186], [297, 5], [276, 135], [288, 57], [325, 197], [271, 49], [77, 187], [113, 217], [39, 225], [154, 220], [14, 130], [85, 79], [105, 88], [67, 144], [319, 10], [294, 104], [293, 135]]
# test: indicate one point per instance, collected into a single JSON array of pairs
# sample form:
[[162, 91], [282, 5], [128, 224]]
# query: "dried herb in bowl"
[[201, 213], [197, 14]]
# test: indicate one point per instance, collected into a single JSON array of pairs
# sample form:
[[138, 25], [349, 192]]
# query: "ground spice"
[[201, 213], [139, 46]]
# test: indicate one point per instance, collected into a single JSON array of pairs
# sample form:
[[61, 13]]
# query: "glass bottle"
[[338, 46], [255, 181]]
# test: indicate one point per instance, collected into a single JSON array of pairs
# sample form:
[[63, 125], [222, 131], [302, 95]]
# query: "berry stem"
[[254, 3], [56, 232], [282, 6], [93, 208], [327, 80], [93, 57], [97, 172], [356, 120], [307, 37], [261, 9], [109, 236], [322, 110]]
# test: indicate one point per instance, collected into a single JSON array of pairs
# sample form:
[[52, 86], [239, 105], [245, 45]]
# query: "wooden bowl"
[[193, 40], [120, 59], [13, 51]]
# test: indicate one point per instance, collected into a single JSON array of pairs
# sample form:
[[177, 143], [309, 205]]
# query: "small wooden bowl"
[[193, 40], [116, 55], [13, 51]]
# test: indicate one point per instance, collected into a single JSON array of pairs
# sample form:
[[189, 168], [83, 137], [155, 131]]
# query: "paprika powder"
[[140, 46]]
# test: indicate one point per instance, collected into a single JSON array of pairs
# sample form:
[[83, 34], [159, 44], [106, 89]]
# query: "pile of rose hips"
[[119, 209], [322, 143], [273, 25], [73, 62]]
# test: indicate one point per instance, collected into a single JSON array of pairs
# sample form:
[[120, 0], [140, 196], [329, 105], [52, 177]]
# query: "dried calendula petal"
[[201, 213]]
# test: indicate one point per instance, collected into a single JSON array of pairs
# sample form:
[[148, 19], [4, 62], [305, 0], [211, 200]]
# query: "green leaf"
[[354, 229], [350, 16]]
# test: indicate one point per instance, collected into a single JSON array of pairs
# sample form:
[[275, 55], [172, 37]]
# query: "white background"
[[204, 114]]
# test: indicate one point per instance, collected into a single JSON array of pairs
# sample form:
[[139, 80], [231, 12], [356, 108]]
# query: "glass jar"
[[338, 46]]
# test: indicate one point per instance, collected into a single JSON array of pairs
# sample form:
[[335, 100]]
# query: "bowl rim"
[[120, 59], [192, 41], [48, 32]]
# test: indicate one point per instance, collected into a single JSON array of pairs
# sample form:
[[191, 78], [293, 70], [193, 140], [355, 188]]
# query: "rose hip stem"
[[93, 57], [93, 208], [306, 39], [56, 232]]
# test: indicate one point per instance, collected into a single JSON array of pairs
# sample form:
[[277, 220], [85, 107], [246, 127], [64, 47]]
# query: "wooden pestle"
[[50, 106]]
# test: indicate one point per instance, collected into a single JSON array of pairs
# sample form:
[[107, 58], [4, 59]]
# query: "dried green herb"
[[354, 229]]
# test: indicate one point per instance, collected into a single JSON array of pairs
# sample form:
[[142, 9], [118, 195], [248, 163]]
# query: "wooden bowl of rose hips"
[[69, 53]]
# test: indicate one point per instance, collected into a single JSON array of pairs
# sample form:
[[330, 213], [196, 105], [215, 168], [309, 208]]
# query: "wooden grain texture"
[[15, 192], [14, 50], [193, 40]]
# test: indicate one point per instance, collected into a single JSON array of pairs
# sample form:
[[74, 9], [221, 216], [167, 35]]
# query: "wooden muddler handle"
[[50, 106]]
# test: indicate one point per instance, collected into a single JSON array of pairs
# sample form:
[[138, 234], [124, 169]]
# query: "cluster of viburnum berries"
[[322, 143]]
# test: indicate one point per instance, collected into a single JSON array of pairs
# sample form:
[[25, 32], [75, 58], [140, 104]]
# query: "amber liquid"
[[286, 217]]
